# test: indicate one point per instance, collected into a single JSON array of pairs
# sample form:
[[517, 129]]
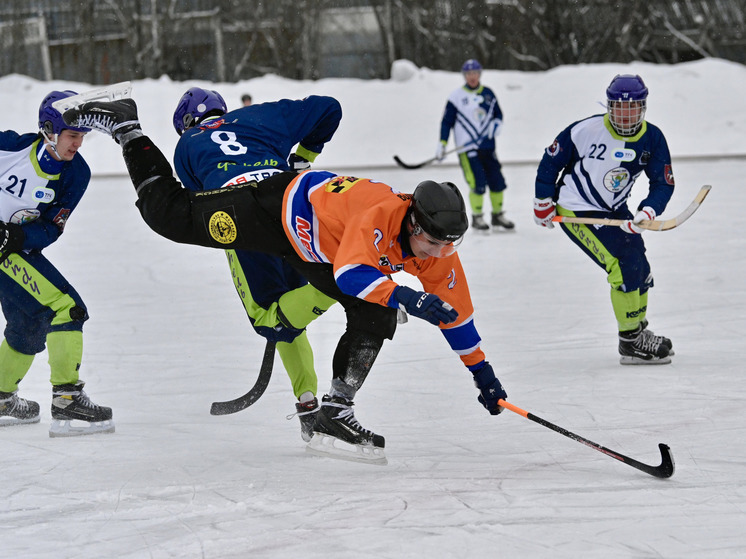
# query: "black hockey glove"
[[11, 237], [490, 389], [298, 163], [425, 305]]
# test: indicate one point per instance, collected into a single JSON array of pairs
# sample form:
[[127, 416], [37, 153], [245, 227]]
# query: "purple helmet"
[[50, 119], [194, 105], [626, 102], [471, 65]]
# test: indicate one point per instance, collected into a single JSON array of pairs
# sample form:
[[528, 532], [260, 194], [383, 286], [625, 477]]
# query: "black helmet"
[[440, 210]]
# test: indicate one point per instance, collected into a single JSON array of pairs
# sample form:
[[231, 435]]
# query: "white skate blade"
[[331, 447], [112, 92], [8, 420], [76, 427], [629, 360]]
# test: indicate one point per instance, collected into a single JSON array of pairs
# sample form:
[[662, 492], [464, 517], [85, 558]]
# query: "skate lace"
[[308, 407], [647, 341], [99, 121], [83, 400], [348, 416], [18, 404]]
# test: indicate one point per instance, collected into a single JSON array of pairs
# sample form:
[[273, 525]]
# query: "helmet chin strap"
[[48, 141], [51, 143]]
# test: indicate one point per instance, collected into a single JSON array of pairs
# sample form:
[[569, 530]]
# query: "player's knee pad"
[[29, 342], [145, 161], [372, 319]]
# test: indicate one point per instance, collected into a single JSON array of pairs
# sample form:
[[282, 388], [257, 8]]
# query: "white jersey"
[[598, 167], [474, 115], [24, 185]]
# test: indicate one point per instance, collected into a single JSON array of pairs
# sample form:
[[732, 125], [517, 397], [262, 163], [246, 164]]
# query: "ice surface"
[[167, 336]]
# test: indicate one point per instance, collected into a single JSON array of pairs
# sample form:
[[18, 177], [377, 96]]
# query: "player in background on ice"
[[42, 179], [589, 171], [250, 144], [472, 111], [346, 235], [246, 100]]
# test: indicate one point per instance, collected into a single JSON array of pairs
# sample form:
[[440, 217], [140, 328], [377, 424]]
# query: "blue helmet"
[[194, 105], [626, 102], [471, 65], [50, 119], [626, 87]]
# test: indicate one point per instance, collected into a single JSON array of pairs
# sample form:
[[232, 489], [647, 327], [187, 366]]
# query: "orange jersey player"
[[356, 225]]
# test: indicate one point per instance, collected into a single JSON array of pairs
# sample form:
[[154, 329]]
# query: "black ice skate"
[[502, 223], [17, 411], [478, 223], [642, 347], [660, 339], [115, 118], [338, 434], [306, 413], [74, 414]]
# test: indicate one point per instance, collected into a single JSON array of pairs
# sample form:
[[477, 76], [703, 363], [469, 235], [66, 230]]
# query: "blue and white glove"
[[630, 226], [440, 151], [425, 305], [490, 389], [298, 163]]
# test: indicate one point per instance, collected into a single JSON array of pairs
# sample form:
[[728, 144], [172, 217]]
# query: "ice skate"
[[660, 339], [74, 414], [642, 347], [306, 412], [478, 223], [338, 434], [115, 118], [17, 411], [502, 223]]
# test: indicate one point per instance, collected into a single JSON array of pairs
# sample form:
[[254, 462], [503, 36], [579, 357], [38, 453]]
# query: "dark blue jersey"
[[254, 142], [37, 191]]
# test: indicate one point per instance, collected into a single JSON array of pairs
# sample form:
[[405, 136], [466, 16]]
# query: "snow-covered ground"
[[167, 336]]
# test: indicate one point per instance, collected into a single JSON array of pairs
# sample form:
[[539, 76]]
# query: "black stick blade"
[[667, 466], [243, 402], [411, 165]]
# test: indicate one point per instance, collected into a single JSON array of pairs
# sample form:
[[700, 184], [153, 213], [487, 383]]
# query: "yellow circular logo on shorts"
[[222, 228]]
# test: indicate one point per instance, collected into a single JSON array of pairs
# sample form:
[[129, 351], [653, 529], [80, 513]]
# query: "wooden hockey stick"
[[243, 402], [655, 225], [665, 469]]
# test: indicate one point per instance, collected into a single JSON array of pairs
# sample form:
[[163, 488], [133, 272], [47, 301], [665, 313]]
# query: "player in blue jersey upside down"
[[217, 149], [589, 171]]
